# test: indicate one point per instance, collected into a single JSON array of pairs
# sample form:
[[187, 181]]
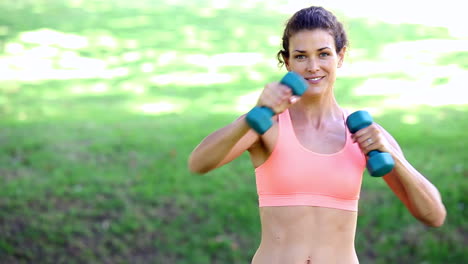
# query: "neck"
[[316, 110]]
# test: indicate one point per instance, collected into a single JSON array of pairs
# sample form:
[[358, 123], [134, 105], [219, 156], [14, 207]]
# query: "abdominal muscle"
[[306, 235]]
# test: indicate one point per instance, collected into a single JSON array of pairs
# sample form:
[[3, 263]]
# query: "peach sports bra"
[[294, 175]]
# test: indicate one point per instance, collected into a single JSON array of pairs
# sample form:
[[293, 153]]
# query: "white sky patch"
[[417, 62], [133, 87], [107, 41], [161, 107], [274, 41], [191, 78], [51, 37], [407, 93], [132, 56], [423, 49], [448, 13], [167, 58], [226, 59], [246, 102], [410, 119], [14, 48], [147, 67], [72, 60], [30, 69]]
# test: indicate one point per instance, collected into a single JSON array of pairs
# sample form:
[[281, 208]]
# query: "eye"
[[324, 54], [300, 57]]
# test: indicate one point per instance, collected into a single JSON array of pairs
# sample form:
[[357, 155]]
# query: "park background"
[[101, 103]]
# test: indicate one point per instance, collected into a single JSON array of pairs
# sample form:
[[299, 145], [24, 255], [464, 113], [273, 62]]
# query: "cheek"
[[331, 67], [294, 66]]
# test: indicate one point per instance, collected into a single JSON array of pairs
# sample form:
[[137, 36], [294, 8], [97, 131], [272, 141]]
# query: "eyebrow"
[[303, 51]]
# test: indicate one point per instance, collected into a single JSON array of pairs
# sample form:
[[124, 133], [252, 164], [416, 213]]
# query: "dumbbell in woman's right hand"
[[259, 118]]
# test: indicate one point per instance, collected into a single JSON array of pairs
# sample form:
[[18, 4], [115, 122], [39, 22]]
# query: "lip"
[[309, 79]]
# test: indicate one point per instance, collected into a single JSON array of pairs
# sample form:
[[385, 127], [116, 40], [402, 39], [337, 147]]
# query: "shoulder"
[[346, 112]]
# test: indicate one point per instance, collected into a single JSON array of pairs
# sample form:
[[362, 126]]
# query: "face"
[[312, 54]]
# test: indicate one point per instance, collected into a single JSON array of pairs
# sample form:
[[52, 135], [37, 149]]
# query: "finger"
[[293, 99], [361, 138], [370, 147], [361, 132], [286, 93], [368, 142]]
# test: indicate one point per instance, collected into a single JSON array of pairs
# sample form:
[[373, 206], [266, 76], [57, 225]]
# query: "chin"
[[314, 91]]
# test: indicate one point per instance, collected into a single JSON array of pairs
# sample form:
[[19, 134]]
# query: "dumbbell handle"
[[379, 163], [259, 118]]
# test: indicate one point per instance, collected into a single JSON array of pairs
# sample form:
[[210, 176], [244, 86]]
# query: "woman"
[[308, 166]]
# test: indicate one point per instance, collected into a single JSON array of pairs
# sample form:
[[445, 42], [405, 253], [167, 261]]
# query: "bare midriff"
[[306, 235]]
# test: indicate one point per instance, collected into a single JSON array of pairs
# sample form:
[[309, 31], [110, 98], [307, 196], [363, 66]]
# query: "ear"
[[286, 62], [341, 56]]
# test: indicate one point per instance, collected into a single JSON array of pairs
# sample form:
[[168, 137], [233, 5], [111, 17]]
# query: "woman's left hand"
[[371, 138]]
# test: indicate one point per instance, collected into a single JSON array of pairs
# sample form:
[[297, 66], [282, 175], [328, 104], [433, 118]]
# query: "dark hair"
[[311, 18]]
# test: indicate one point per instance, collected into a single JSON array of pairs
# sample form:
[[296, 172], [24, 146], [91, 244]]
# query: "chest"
[[325, 140]]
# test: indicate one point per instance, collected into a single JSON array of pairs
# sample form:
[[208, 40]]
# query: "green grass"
[[87, 177]]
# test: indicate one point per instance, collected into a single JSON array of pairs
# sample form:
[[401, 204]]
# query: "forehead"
[[311, 40]]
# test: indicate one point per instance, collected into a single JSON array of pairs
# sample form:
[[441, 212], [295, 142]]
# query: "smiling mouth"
[[315, 79]]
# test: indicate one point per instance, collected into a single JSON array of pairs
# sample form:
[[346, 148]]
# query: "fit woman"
[[308, 166]]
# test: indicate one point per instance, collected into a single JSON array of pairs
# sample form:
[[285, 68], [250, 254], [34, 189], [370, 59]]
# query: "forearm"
[[217, 146], [423, 198]]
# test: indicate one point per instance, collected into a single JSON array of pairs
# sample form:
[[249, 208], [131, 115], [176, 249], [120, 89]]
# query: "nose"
[[312, 65]]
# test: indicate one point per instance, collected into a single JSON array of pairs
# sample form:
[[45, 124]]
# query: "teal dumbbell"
[[379, 163], [259, 118]]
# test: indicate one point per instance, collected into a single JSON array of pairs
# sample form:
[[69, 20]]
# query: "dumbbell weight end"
[[379, 163], [259, 119]]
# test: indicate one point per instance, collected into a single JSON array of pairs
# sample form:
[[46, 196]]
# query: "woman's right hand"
[[277, 96]]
